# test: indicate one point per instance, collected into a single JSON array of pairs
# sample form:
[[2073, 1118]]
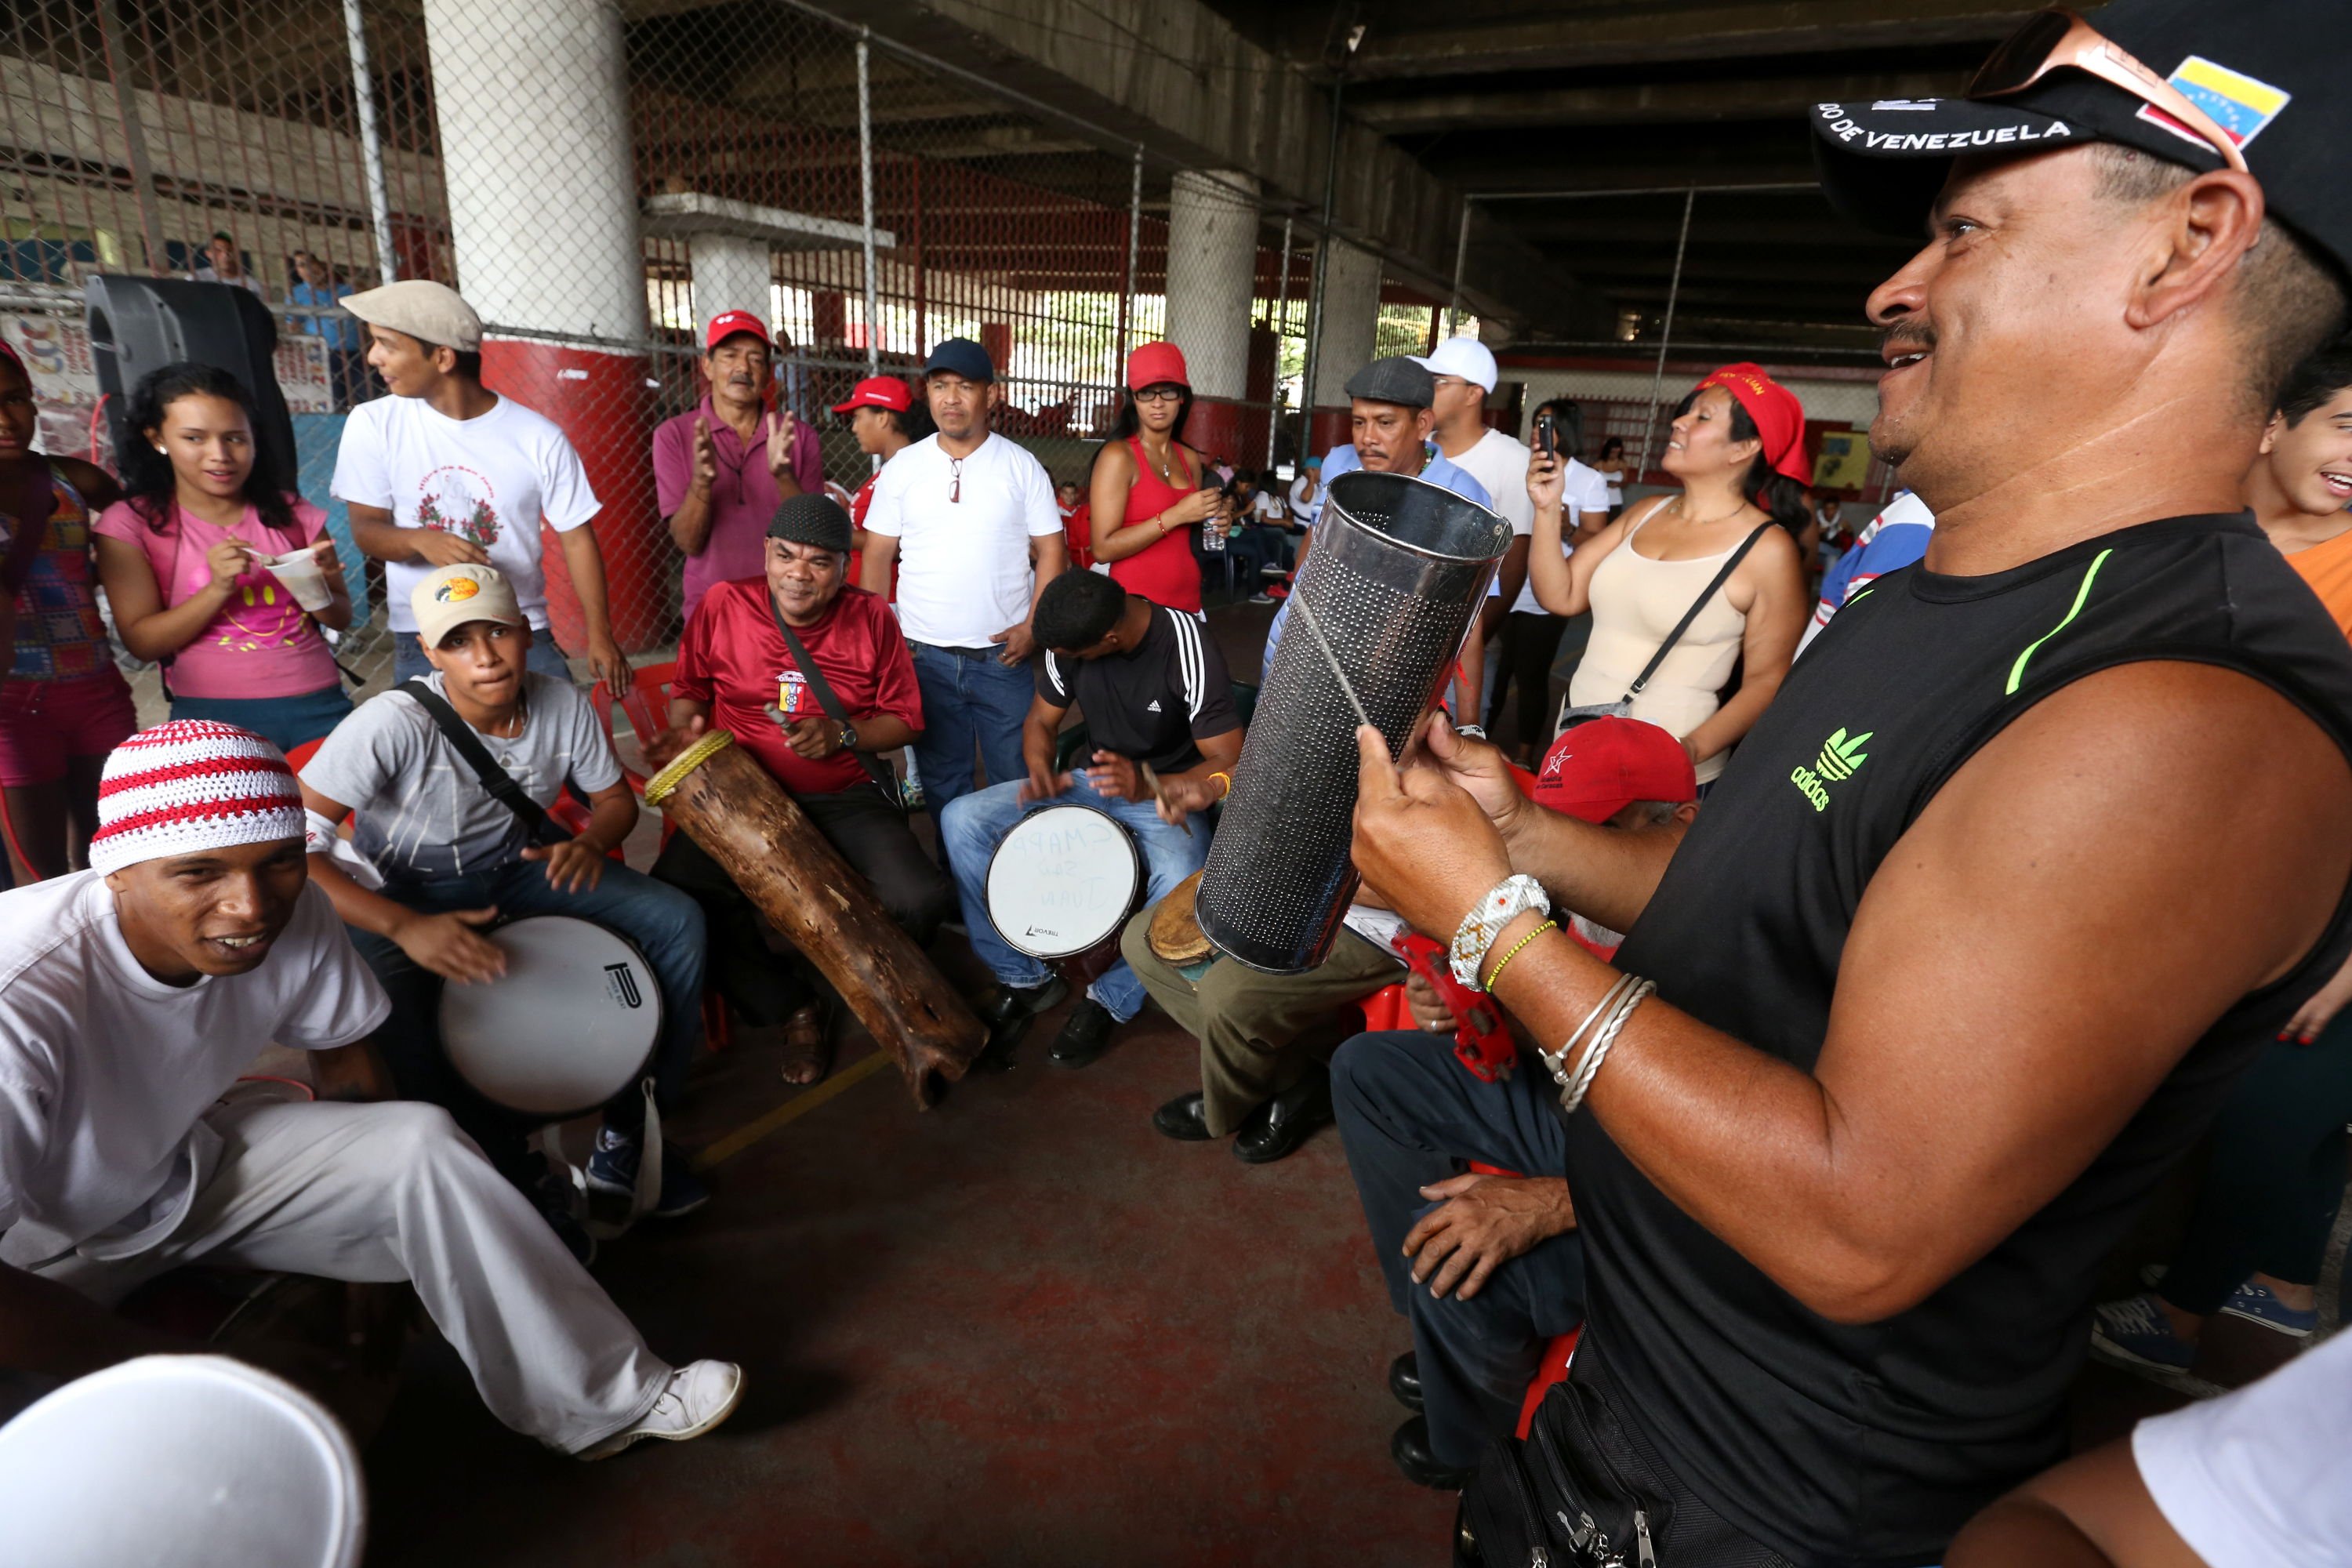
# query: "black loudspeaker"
[[139, 324]]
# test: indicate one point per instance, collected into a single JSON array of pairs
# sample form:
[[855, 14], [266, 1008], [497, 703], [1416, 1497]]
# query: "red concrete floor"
[[1019, 1329]]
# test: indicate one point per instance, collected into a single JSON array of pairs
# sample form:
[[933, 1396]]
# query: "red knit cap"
[[190, 785]]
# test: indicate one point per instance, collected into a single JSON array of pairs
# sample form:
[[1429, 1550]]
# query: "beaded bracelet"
[[1496, 974], [1511, 898]]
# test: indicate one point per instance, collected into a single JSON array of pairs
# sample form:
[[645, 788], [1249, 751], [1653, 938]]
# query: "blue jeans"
[[285, 722], [664, 923], [967, 699], [1407, 1112], [971, 828], [409, 663]]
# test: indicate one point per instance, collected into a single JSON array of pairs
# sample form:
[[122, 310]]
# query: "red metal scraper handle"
[[1481, 1043]]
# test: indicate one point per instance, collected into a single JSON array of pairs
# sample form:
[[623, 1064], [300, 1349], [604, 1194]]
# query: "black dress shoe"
[[1019, 1004], [1410, 1449], [1008, 1014], [1184, 1117], [1404, 1379], [1282, 1123], [1085, 1036]]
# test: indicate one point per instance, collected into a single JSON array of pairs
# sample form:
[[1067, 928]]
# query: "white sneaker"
[[698, 1397]]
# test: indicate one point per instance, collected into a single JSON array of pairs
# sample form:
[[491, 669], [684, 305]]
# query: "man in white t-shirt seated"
[[451, 857], [132, 997], [2256, 1478], [971, 522], [445, 472], [1306, 494]]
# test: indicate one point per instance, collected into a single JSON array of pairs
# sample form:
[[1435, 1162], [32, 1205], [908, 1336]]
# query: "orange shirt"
[[2328, 568]]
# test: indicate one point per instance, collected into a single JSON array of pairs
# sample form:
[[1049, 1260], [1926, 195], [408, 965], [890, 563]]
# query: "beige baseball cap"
[[428, 312], [449, 597]]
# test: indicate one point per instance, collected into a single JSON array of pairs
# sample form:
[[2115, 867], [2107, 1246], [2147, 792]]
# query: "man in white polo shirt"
[[971, 521], [446, 472]]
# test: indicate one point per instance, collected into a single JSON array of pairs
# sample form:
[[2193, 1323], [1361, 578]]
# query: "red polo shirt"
[[733, 658]]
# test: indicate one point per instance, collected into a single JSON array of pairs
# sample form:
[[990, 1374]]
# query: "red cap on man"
[[1603, 765], [726, 324], [878, 392]]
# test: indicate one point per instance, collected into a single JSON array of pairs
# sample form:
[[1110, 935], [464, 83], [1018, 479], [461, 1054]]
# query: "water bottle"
[[1213, 532]]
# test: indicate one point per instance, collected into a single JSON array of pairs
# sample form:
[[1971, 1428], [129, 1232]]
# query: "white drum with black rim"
[[1064, 880], [571, 1022]]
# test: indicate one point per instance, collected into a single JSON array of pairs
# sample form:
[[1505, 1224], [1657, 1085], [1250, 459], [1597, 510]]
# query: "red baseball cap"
[[1780, 418], [1605, 766], [726, 324], [878, 392], [1154, 364]]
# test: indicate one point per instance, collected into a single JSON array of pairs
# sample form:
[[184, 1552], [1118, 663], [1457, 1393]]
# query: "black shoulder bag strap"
[[883, 779], [1697, 604], [536, 825]]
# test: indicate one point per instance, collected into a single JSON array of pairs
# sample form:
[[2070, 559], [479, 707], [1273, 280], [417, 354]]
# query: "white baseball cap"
[[1468, 358]]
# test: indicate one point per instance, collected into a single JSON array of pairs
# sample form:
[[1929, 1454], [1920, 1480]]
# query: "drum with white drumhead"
[[570, 1023], [1064, 880]]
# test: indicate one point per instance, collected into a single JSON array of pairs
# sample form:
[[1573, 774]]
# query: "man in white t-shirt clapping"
[[445, 472], [971, 521], [133, 995]]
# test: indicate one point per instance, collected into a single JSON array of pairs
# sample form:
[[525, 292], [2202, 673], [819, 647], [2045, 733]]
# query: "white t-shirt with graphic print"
[[491, 478]]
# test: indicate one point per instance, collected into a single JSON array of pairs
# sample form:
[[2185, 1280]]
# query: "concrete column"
[[533, 111], [1211, 275], [730, 273], [1352, 310]]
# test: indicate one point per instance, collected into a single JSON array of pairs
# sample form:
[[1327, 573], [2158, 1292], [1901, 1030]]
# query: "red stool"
[[1553, 1367]]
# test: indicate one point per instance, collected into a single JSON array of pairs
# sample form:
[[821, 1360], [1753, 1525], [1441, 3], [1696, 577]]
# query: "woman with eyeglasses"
[[1145, 494]]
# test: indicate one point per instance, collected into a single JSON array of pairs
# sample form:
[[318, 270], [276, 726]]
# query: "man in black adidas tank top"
[[2039, 842]]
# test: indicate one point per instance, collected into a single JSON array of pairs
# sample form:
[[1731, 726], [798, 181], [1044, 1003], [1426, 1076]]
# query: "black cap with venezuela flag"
[[2267, 74]]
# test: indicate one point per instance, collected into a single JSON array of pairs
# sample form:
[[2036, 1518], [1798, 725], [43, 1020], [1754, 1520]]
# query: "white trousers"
[[389, 1192]]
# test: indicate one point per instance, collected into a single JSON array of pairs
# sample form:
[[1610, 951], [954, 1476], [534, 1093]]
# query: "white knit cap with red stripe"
[[190, 785]]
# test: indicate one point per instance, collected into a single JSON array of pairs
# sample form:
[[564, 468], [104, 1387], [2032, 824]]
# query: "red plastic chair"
[[1553, 1367], [647, 702], [304, 752]]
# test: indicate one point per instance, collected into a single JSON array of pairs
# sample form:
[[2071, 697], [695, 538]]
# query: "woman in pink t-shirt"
[[181, 559]]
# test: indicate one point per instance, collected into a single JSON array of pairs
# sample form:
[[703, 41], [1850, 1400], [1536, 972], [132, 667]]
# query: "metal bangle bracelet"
[[1558, 1060], [1598, 1052]]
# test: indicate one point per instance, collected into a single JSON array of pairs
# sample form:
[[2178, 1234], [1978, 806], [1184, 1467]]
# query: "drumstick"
[[1151, 783], [1298, 602]]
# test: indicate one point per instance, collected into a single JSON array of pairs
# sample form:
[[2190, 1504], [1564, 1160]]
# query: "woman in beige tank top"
[[1639, 575]]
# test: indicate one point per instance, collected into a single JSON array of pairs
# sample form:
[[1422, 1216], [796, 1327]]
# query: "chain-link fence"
[[600, 180]]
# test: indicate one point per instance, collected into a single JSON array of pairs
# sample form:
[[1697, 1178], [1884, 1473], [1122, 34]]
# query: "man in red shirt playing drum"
[[735, 672]]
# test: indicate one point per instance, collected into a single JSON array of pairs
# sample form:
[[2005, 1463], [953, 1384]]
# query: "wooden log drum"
[[750, 824]]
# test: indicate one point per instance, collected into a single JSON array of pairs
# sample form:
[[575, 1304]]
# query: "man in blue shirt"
[[315, 285], [1389, 414], [1896, 538]]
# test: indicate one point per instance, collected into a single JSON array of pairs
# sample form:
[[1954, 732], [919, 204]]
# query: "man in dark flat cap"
[[815, 678]]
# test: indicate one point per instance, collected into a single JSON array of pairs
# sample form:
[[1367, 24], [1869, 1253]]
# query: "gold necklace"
[[1694, 522]]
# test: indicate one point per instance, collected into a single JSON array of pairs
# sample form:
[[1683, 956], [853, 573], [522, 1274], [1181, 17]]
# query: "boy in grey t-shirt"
[[454, 860]]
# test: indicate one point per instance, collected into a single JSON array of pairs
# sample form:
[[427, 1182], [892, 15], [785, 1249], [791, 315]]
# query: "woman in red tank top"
[[1145, 494]]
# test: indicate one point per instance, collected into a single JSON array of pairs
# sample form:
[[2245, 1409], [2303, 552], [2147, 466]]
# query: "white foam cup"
[[301, 572]]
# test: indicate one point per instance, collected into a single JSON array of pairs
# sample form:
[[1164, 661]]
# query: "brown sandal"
[[808, 1055]]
